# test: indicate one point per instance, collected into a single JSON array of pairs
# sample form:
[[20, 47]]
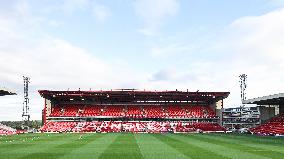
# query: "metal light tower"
[[243, 86], [26, 108]]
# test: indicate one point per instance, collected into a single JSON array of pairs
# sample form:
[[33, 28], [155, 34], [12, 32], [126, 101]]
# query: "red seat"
[[154, 111], [274, 126]]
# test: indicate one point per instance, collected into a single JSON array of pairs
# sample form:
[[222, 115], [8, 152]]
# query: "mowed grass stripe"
[[277, 141], [190, 150], [93, 149], [62, 149], [217, 148], [123, 147], [5, 138], [152, 148], [58, 150], [234, 144], [112, 145], [46, 141], [260, 146], [12, 142]]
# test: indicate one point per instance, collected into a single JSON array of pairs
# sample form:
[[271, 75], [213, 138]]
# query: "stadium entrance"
[[132, 111]]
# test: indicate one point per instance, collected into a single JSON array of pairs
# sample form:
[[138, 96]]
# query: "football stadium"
[[141, 79], [140, 124]]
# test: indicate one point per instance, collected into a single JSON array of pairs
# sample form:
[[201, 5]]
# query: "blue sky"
[[145, 44]]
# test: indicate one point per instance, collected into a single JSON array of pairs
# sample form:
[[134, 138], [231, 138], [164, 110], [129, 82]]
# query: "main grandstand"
[[132, 111]]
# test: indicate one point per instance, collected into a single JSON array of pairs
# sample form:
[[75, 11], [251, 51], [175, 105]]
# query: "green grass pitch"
[[127, 145]]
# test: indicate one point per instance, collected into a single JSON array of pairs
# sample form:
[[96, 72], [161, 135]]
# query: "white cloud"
[[163, 75], [154, 13], [73, 7], [52, 63], [254, 45], [55, 64], [101, 12], [171, 49], [261, 35], [54, 23], [69, 6], [277, 2], [251, 45]]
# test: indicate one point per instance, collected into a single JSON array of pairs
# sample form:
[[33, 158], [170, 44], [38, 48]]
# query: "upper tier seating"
[[274, 126], [93, 110], [176, 111], [56, 111], [71, 111], [65, 111], [154, 111], [135, 111], [114, 110], [199, 112]]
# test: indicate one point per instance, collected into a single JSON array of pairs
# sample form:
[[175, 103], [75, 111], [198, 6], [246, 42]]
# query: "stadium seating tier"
[[136, 115], [134, 111], [6, 130], [118, 126], [274, 126]]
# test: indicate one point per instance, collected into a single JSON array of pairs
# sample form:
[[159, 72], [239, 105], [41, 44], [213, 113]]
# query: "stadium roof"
[[5, 91], [127, 95], [275, 99]]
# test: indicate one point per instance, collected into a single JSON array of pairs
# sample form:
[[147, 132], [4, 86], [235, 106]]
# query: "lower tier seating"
[[118, 126], [58, 126], [208, 126], [182, 127], [275, 126]]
